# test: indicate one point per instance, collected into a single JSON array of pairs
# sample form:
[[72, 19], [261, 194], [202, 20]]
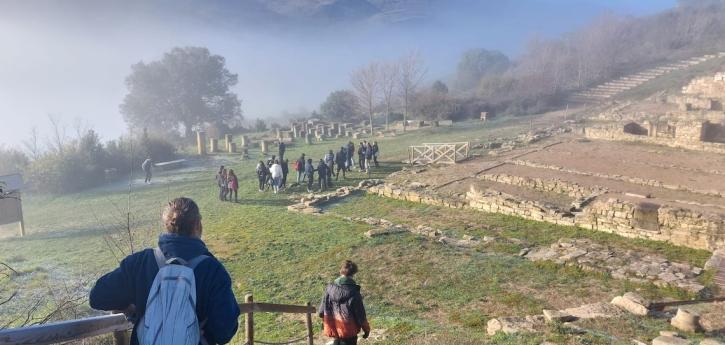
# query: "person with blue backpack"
[[177, 293]]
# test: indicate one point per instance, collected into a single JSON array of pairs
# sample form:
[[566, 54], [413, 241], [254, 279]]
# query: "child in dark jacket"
[[127, 287], [342, 310]]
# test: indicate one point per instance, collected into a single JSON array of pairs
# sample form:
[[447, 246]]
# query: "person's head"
[[309, 161], [231, 172], [348, 268], [181, 217], [221, 168], [260, 162], [330, 151], [303, 156], [276, 161]]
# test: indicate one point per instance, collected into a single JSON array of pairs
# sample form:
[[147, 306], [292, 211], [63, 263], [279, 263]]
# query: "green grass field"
[[416, 291]]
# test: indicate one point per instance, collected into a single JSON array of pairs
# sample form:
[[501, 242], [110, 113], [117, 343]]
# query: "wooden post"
[[310, 334], [263, 146], [20, 213], [201, 143], [121, 338], [249, 321], [232, 147], [245, 141]]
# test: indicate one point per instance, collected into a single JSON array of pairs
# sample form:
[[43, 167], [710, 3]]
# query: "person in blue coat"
[[127, 287]]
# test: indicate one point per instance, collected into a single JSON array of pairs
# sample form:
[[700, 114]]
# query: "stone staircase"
[[614, 87]]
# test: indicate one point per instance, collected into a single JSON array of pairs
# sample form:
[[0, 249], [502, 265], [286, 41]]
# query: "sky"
[[68, 59]]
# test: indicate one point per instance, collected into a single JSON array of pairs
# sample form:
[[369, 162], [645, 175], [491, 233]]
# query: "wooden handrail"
[[63, 331], [57, 332], [275, 308]]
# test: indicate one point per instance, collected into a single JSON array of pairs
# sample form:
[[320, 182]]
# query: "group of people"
[[179, 293], [228, 184], [273, 174], [332, 164]]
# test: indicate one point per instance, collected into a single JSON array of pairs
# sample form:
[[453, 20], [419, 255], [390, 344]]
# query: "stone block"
[[557, 316], [686, 321], [630, 306], [664, 340]]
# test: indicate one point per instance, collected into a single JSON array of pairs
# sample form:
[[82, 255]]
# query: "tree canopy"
[[340, 105], [188, 87], [477, 63]]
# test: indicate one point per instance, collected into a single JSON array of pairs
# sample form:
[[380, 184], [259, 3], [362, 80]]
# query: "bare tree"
[[366, 82], [32, 144], [58, 139], [410, 76], [388, 84]]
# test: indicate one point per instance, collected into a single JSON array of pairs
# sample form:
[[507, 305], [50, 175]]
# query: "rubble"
[[620, 263]]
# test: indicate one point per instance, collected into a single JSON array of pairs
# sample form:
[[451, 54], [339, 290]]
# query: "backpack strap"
[[160, 257], [196, 261]]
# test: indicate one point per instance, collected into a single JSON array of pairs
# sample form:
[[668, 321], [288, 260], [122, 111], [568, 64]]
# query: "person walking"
[[300, 168], [281, 150], [180, 275], [285, 172], [220, 182], [276, 174], [322, 175], [146, 166], [368, 157], [223, 184], [342, 309], [233, 183], [350, 156], [340, 160], [361, 157], [261, 175], [330, 162], [375, 153], [309, 174]]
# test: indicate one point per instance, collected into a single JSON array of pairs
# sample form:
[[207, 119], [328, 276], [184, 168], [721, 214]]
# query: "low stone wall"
[[571, 189], [634, 180], [656, 222], [687, 137], [636, 220]]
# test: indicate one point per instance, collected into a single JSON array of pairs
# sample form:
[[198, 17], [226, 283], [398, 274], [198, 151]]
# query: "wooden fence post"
[[121, 338], [249, 321], [310, 335]]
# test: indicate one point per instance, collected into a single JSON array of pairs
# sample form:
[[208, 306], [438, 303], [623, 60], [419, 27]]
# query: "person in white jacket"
[[276, 171]]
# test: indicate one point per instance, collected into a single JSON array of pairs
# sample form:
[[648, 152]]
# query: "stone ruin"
[[695, 119]]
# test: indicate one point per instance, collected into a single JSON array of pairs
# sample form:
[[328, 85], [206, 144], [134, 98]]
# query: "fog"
[[70, 58]]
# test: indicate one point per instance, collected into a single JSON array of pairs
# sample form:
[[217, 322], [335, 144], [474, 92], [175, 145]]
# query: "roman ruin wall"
[[636, 220]]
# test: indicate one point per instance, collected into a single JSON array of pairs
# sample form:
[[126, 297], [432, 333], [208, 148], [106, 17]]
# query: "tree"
[[388, 86], [260, 125], [366, 82], [188, 87], [340, 105], [410, 76], [478, 63], [439, 88]]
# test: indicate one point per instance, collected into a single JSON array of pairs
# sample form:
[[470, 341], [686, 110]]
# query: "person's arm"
[[323, 302], [114, 290], [222, 309], [358, 310]]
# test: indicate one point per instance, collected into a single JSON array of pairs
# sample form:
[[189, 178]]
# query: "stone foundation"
[[636, 220]]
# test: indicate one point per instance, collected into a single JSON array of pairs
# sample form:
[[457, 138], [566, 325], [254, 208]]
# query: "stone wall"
[[571, 189], [636, 220], [687, 135]]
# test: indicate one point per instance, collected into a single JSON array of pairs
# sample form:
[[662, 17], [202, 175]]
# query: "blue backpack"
[[170, 317]]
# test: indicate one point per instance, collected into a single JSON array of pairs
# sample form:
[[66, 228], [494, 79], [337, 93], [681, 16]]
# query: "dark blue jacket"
[[130, 284]]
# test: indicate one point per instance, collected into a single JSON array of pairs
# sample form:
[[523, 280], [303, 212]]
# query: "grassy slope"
[[413, 287]]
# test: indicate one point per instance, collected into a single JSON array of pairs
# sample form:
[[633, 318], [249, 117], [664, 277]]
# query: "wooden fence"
[[65, 331], [438, 153]]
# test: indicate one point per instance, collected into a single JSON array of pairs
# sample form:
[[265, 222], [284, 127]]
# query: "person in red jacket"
[[342, 310]]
